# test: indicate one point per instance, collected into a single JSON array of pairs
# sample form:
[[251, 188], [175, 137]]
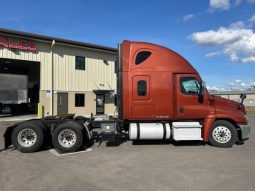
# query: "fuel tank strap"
[[164, 131], [138, 131]]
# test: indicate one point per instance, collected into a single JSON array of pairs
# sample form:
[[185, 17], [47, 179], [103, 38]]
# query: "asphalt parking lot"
[[143, 166]]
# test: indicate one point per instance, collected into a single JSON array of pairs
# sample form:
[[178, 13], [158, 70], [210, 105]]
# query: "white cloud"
[[219, 5], [188, 17], [238, 24], [223, 5], [212, 54], [215, 88], [236, 43], [221, 36], [243, 84], [251, 1], [249, 59], [232, 55], [234, 85], [252, 19]]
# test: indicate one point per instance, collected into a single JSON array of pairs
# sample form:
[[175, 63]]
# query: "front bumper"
[[245, 132]]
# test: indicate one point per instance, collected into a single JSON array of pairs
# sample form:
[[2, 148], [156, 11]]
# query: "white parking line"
[[54, 152]]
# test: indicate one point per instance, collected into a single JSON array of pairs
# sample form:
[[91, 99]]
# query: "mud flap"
[[7, 136]]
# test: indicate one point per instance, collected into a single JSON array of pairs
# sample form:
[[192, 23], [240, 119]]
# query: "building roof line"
[[61, 40], [233, 92]]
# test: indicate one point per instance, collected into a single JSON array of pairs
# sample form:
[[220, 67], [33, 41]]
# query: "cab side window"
[[141, 88], [142, 56], [190, 86]]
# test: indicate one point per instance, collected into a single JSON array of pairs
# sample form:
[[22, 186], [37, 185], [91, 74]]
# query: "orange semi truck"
[[160, 96]]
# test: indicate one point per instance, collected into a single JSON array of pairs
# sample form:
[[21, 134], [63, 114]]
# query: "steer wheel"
[[223, 134]]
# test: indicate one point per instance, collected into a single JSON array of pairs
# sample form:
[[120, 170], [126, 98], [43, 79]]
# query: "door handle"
[[181, 110]]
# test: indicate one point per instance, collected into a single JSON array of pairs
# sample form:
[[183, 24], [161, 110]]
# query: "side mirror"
[[243, 96]]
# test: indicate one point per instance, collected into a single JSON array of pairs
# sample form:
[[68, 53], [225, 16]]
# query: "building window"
[[190, 86], [79, 100], [142, 56], [79, 63], [141, 88]]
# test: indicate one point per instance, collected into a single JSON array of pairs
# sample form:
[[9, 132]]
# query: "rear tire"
[[223, 134], [28, 137], [67, 137]]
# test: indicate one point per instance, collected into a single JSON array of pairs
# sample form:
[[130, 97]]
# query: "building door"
[[100, 100], [19, 83], [62, 103]]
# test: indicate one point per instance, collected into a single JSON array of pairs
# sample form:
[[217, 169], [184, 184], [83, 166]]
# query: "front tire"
[[223, 134], [67, 137], [28, 137]]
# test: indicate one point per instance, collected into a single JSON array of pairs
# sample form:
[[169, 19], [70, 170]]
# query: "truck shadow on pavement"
[[168, 142], [177, 143]]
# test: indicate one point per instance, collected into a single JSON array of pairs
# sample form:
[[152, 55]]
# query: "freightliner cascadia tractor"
[[160, 96]]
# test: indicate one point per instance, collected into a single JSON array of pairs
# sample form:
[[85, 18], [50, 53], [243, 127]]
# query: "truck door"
[[188, 103]]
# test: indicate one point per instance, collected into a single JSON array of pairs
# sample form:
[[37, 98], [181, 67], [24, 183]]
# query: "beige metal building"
[[63, 76]]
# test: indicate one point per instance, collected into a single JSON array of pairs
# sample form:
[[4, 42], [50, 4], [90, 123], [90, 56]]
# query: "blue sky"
[[216, 36]]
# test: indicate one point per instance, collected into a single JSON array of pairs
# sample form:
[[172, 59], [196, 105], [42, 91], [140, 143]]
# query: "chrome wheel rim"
[[27, 137], [221, 134], [67, 138]]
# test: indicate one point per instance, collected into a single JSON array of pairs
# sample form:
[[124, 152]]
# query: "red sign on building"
[[20, 44]]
